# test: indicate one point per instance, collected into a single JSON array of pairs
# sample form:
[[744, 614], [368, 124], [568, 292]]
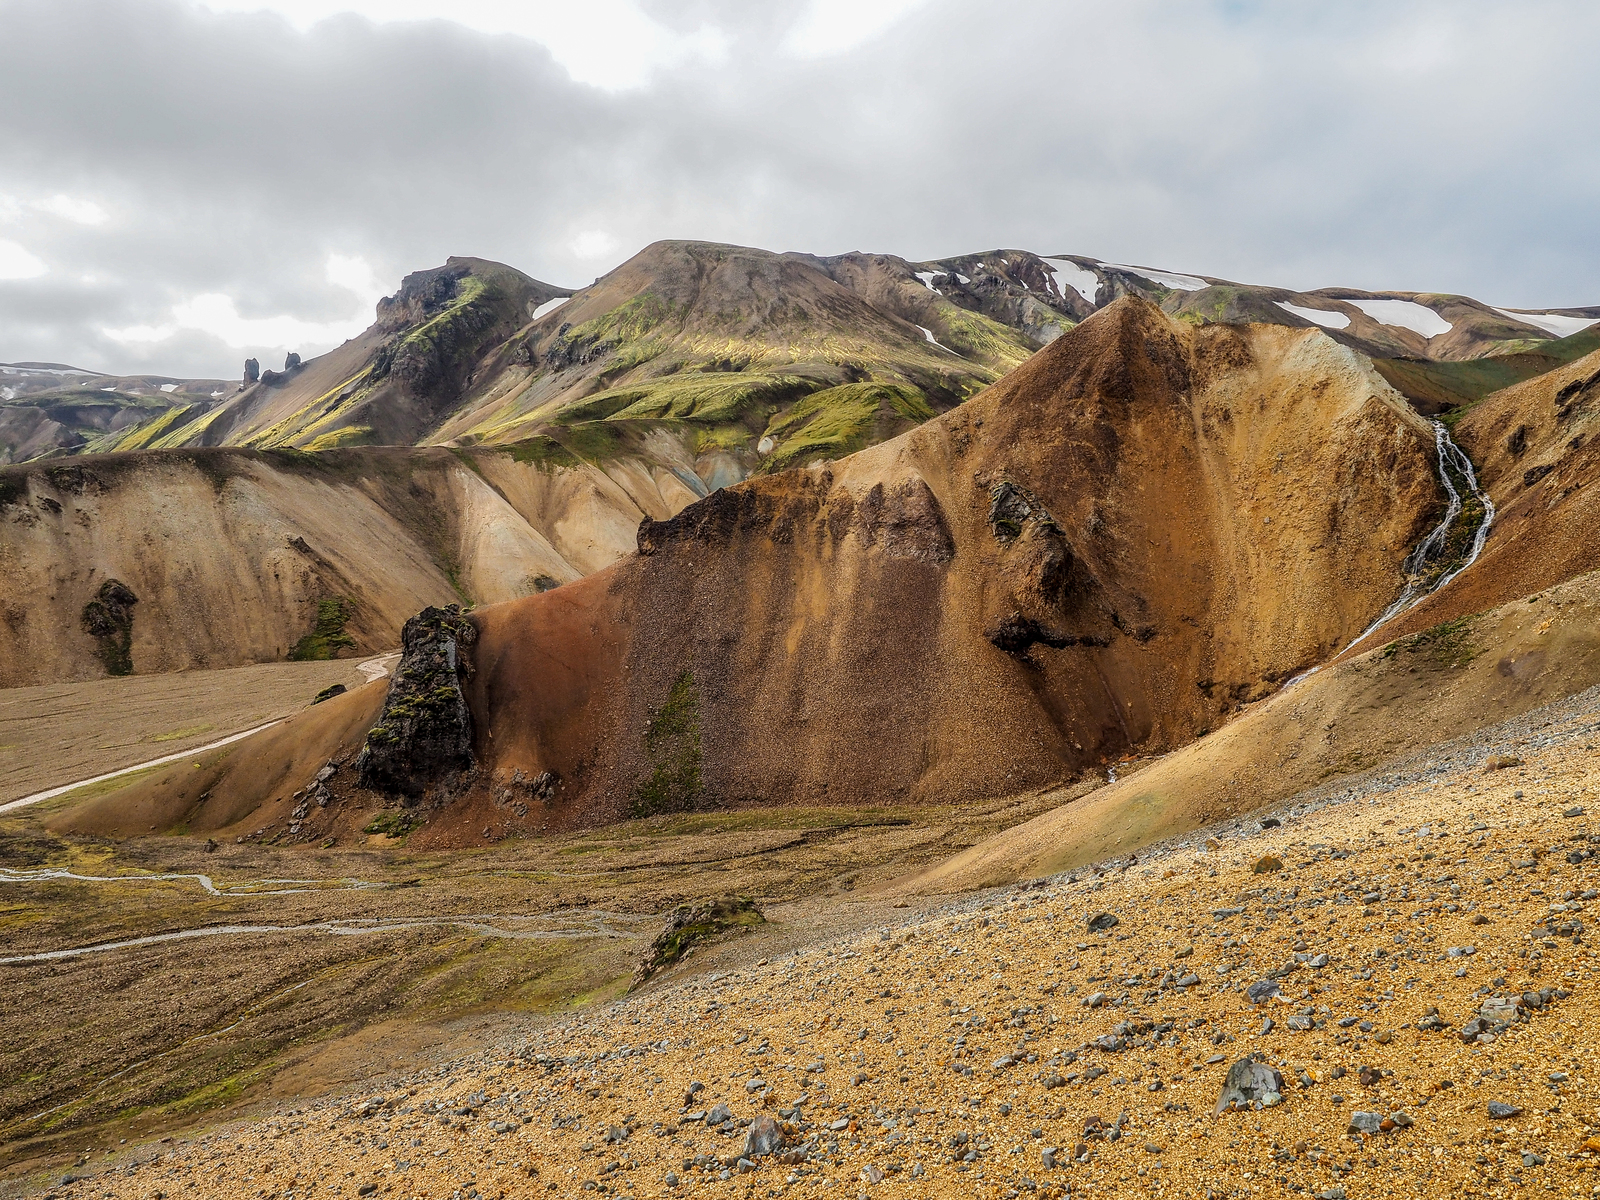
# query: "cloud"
[[210, 161], [17, 263], [828, 27], [606, 43], [217, 316]]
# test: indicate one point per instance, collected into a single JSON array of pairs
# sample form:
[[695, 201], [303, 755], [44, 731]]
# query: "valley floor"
[[990, 1047]]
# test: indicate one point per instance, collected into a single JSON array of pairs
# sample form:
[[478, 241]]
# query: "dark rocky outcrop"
[[108, 618], [252, 370], [424, 736]]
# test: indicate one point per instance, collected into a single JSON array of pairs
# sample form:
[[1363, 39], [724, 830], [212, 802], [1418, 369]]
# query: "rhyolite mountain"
[[1147, 525]]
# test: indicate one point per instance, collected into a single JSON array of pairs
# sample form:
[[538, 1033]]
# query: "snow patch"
[[549, 306], [1070, 275], [928, 333], [169, 387], [1558, 324], [1181, 283], [927, 278], [1317, 316], [1404, 314], [765, 445], [962, 277]]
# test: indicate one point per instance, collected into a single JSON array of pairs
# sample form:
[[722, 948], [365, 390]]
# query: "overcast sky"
[[183, 183]]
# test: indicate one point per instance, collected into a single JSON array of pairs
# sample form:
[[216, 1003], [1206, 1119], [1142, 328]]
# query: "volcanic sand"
[[61, 732]]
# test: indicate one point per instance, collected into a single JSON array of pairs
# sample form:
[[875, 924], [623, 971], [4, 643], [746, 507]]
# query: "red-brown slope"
[[1215, 505]]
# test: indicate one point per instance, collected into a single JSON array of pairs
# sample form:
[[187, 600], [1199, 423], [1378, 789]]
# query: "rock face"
[[252, 370], [690, 923], [424, 736]]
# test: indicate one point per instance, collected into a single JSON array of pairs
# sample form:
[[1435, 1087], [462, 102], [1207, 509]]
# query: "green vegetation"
[[689, 925], [628, 322], [672, 744], [1448, 644], [328, 638], [841, 420], [707, 397], [542, 451], [108, 618], [977, 336], [349, 435], [393, 823]]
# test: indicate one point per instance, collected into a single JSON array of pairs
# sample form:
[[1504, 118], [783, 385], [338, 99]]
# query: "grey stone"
[[1365, 1122], [763, 1137], [1247, 1083], [718, 1115], [1101, 922], [1263, 990], [1501, 1111]]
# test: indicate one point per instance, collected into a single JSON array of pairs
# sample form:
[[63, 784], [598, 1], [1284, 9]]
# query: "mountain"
[[48, 409], [753, 360], [1113, 549]]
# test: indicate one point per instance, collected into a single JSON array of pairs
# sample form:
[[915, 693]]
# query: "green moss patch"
[[1448, 644], [328, 638], [672, 745], [393, 823], [841, 420]]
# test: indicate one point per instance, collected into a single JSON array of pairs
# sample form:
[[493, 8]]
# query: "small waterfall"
[[1424, 571]]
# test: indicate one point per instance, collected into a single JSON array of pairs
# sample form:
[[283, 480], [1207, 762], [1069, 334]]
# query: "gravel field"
[[1416, 942]]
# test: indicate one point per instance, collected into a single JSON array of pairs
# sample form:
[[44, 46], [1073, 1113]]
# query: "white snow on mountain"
[[1171, 279], [550, 306], [1558, 324], [1405, 314], [927, 278], [1070, 275], [1317, 316]]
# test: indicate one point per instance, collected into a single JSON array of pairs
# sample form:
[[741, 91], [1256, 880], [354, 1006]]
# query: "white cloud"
[[74, 209], [593, 243], [218, 315], [18, 263], [835, 26], [607, 43]]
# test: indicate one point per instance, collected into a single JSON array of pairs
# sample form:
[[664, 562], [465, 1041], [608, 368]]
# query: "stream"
[[1418, 568]]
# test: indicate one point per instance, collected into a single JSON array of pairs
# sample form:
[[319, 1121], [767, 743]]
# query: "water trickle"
[[1424, 572]]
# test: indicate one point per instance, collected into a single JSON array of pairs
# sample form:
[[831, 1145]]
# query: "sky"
[[184, 183]]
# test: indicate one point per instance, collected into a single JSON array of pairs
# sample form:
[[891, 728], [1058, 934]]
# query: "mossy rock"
[[691, 923]]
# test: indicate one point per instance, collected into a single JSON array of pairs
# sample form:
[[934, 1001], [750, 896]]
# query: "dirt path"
[[63, 736]]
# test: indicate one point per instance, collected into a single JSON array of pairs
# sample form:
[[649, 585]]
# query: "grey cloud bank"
[[247, 174]]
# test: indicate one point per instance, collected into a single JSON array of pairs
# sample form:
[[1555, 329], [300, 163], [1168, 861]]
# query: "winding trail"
[[253, 887], [595, 926], [372, 668]]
